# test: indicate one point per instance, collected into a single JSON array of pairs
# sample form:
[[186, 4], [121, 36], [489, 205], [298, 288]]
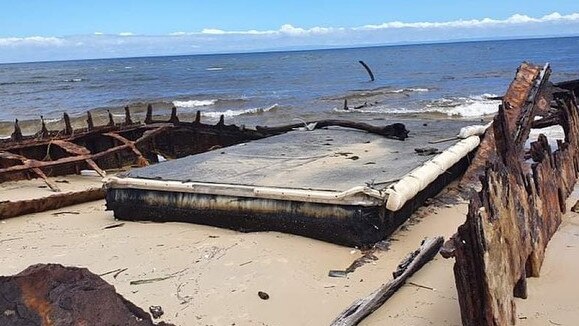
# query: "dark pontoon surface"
[[332, 184]]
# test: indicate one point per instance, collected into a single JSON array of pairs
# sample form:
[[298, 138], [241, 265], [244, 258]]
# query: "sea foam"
[[472, 106], [468, 107], [193, 103], [233, 113]]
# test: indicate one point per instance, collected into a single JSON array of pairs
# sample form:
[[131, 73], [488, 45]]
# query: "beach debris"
[[157, 279], [65, 213], [119, 272], [51, 294], [421, 286], [367, 70], [427, 151], [151, 280], [113, 226], [337, 273], [262, 295], [156, 311], [575, 208], [115, 271], [55, 201], [396, 131], [367, 257], [361, 308], [512, 218]]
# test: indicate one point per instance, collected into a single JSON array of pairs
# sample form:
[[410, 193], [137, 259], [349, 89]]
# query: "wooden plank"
[[361, 308]]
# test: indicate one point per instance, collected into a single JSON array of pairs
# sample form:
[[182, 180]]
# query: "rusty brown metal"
[[67, 151], [51, 294], [511, 220]]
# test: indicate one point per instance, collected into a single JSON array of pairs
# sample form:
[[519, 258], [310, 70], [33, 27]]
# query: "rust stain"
[[34, 297]]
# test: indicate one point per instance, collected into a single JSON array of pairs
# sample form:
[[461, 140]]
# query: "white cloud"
[[287, 36], [31, 40], [516, 19]]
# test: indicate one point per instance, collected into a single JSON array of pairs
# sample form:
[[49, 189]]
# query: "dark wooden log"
[[361, 308], [367, 70], [511, 220], [394, 131]]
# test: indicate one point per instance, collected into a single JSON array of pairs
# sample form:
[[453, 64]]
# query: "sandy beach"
[[211, 276]]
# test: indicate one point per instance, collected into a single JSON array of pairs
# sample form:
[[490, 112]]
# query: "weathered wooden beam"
[[511, 220], [361, 308]]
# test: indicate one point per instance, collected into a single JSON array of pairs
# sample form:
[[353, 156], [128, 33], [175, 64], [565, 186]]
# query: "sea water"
[[457, 80]]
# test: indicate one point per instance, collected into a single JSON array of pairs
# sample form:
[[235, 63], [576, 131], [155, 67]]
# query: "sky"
[[41, 30]]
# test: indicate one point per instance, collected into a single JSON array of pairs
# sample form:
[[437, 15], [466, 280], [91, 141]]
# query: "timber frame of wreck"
[[511, 220]]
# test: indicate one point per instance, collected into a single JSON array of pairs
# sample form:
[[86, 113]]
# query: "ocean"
[[451, 80]]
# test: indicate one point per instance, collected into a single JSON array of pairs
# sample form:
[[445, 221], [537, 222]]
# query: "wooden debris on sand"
[[511, 220], [361, 308]]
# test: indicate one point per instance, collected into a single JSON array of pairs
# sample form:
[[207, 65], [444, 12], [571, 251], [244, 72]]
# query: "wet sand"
[[214, 274]]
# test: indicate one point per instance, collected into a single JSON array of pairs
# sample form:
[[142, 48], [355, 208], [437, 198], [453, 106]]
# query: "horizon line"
[[315, 48]]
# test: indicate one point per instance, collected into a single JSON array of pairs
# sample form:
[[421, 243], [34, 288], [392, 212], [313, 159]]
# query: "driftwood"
[[59, 200], [511, 220], [395, 131], [367, 70], [361, 308]]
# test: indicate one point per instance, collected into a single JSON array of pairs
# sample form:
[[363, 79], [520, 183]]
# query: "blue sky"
[[33, 30]]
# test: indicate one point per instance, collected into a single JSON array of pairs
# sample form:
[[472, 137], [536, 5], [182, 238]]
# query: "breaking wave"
[[233, 113], [472, 106], [467, 107], [409, 90], [214, 69], [193, 103]]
